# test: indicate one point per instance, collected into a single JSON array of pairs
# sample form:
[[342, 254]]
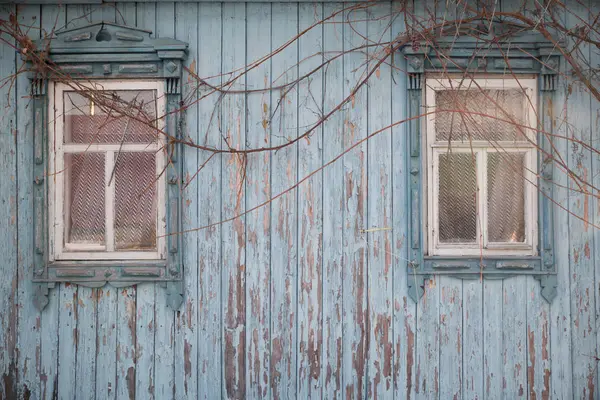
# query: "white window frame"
[[56, 179], [482, 247]]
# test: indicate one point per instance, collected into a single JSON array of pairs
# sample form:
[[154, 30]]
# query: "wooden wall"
[[293, 300]]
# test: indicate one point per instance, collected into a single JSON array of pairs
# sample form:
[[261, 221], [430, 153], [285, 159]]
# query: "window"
[[481, 167], [107, 186]]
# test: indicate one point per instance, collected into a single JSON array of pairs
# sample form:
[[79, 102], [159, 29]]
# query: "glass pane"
[[506, 197], [84, 198], [489, 104], [457, 198], [97, 120], [135, 201]]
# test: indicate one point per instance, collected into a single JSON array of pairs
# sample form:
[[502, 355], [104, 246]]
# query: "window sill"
[[98, 273], [493, 266]]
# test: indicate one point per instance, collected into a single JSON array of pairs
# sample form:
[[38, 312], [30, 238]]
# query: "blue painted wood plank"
[[428, 341], [106, 343], [354, 265], [186, 334], [311, 376], [514, 338], [451, 331], [594, 58], [85, 338], [127, 334], [561, 379], [29, 319], [164, 317], [233, 234], [379, 209], [52, 17], [210, 365], [493, 359], [333, 208], [67, 345], [284, 281], [472, 340], [258, 246], [8, 213], [538, 343], [583, 306], [405, 310]]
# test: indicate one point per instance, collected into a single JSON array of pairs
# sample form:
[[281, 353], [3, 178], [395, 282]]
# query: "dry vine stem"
[[545, 19]]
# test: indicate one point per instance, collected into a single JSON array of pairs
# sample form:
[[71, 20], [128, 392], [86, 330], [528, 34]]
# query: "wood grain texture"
[[311, 375], [284, 217], [210, 377], [379, 213], [28, 339], [333, 209], [258, 190], [163, 381], [354, 262], [233, 243], [186, 331], [294, 300]]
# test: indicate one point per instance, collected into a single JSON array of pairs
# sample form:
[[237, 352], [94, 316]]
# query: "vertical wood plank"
[[379, 214], [29, 318], [355, 323], [583, 306], [310, 226], [472, 339], [561, 379], [106, 343], [186, 335], [53, 17], [428, 341], [209, 210], [67, 345], [538, 344], [258, 190], [164, 317], [595, 198], [284, 244], [405, 310], [8, 214], [333, 210], [125, 387], [85, 335], [514, 337], [233, 234], [492, 338], [451, 331]]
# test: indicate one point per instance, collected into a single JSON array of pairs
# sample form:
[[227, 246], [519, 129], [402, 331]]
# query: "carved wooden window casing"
[[480, 189], [108, 162]]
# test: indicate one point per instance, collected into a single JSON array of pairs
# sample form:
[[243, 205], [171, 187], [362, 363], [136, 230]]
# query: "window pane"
[[490, 104], [135, 201], [506, 197], [84, 198], [457, 194], [97, 121]]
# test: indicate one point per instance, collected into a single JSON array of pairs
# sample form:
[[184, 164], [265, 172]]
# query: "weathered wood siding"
[[293, 300]]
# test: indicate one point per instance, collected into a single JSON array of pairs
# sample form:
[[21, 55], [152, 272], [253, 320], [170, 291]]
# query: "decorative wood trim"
[[109, 51], [455, 52]]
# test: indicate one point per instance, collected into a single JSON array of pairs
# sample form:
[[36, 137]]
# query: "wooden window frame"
[[480, 149], [117, 57], [57, 149]]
